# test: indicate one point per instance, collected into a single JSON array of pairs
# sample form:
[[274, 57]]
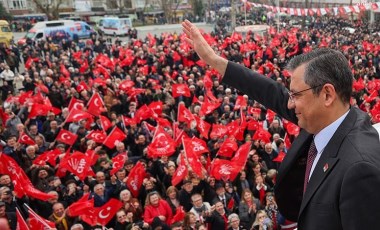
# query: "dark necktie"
[[310, 159]]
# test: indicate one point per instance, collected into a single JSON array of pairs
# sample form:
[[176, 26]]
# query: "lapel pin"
[[325, 167]]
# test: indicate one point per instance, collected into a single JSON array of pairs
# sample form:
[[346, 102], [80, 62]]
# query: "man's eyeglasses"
[[292, 95]]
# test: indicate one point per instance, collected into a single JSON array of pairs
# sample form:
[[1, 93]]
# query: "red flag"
[[80, 207], [77, 115], [114, 137], [287, 142], [192, 159], [78, 163], [203, 127], [118, 163], [156, 107], [280, 157], [358, 85], [135, 178], [106, 124], [38, 110], [97, 135], [181, 172], [228, 147], [218, 131], [240, 102], [108, 210], [180, 90], [241, 156], [262, 134], [38, 222], [179, 215], [84, 67], [64, 71], [224, 170], [95, 105], [82, 86], [198, 146], [128, 121], [292, 129], [135, 91], [21, 224], [66, 137], [143, 113], [162, 144], [126, 85], [42, 88], [25, 139], [75, 104], [184, 115], [208, 107], [48, 156]]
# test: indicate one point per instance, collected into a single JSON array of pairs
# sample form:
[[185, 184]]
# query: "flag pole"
[[37, 217]]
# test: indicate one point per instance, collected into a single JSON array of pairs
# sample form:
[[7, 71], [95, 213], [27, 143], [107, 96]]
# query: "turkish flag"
[[25, 96], [76, 104], [106, 124], [25, 139], [108, 210], [95, 105], [143, 113], [218, 131], [203, 127], [82, 86], [64, 71], [184, 115], [192, 159], [262, 134], [181, 172], [118, 163], [179, 215], [77, 115], [105, 61], [21, 223], [48, 156], [135, 178], [280, 157], [241, 155], [228, 147], [78, 163], [115, 136], [66, 137], [128, 121], [241, 102], [253, 125], [97, 135], [292, 129], [79, 207], [180, 90], [38, 222], [162, 144], [287, 141], [126, 85], [38, 110], [372, 96], [224, 170]]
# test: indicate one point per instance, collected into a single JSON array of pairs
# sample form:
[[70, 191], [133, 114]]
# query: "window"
[[19, 4]]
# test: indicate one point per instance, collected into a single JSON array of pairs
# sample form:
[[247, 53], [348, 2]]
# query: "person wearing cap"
[[337, 149], [8, 219], [186, 191]]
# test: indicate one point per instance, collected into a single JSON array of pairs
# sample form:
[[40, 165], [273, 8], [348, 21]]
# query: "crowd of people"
[[127, 77]]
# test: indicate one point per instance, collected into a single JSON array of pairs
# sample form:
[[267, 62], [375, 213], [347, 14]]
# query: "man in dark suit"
[[329, 177]]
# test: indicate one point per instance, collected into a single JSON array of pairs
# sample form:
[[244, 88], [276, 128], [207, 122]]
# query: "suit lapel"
[[329, 158], [294, 153]]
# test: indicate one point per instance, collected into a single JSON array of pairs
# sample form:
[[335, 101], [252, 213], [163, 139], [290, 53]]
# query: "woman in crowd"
[[248, 208], [172, 198], [262, 222], [157, 210]]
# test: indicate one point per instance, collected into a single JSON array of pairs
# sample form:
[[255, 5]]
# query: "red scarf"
[[262, 194], [225, 221]]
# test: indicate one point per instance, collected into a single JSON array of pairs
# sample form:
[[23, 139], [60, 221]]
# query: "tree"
[[169, 7], [4, 14], [49, 7]]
